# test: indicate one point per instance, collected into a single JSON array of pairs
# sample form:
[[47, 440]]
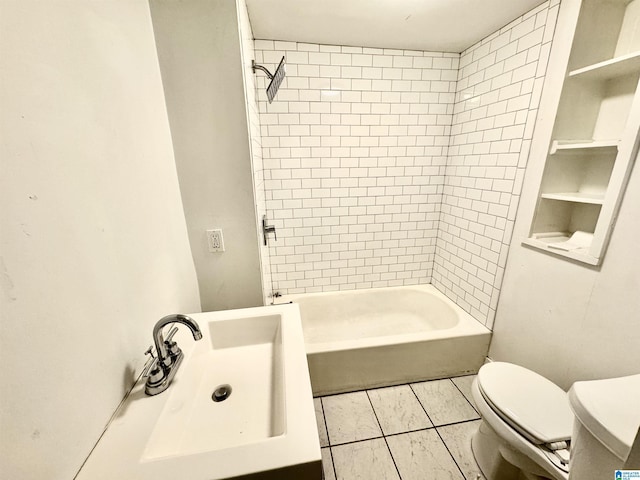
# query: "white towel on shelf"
[[578, 240]]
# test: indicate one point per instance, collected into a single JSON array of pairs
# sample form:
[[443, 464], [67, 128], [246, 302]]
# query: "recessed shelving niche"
[[594, 141]]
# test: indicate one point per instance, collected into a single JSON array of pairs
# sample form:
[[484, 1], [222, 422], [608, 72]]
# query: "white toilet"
[[528, 428]]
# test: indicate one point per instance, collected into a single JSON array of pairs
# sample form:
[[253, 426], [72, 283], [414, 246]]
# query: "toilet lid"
[[533, 405]]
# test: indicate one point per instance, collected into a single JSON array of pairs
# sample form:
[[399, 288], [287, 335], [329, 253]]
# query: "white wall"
[[499, 88], [255, 139], [354, 146], [566, 320], [199, 51], [92, 235]]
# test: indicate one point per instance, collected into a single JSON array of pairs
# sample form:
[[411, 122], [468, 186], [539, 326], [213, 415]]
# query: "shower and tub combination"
[[378, 337], [361, 339]]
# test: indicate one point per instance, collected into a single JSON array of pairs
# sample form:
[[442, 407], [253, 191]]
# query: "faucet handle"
[[170, 335], [268, 229], [151, 361], [172, 347]]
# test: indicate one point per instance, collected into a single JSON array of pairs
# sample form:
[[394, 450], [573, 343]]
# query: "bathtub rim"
[[466, 325]]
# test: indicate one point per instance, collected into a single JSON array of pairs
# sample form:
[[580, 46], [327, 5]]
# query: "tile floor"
[[419, 431]]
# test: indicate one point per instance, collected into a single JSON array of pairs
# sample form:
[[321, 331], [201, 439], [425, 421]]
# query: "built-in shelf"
[[582, 146], [616, 67], [543, 244], [595, 114], [577, 197]]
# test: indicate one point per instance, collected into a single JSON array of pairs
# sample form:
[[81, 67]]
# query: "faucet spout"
[[169, 356], [158, 337]]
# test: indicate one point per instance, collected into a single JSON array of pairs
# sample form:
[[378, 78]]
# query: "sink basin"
[[264, 428], [244, 353]]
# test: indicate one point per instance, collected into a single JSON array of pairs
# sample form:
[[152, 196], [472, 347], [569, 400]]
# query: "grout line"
[[402, 433], [383, 436], [389, 386], [410, 431], [458, 423], [463, 476], [452, 456], [333, 466], [324, 418], [432, 427], [421, 405], [326, 429], [357, 441], [465, 397], [438, 433]]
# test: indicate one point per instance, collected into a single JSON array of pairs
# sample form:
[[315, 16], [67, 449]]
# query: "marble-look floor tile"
[[327, 464], [368, 460], [398, 409], [443, 402], [349, 417], [457, 437], [464, 385], [322, 429], [422, 455]]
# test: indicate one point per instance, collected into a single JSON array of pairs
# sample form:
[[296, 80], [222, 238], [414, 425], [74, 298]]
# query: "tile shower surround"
[[416, 431], [390, 167], [354, 152], [499, 88]]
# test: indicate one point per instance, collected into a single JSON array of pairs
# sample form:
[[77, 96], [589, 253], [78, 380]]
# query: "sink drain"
[[221, 393]]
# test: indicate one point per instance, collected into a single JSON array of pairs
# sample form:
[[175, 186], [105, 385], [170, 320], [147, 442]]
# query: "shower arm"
[[255, 66]]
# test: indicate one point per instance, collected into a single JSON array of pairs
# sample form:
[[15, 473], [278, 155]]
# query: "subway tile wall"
[[354, 151], [499, 87], [388, 167]]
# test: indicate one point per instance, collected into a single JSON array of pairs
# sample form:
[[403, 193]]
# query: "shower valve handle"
[[266, 229]]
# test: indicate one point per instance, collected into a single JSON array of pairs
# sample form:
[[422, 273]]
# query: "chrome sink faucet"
[[169, 355]]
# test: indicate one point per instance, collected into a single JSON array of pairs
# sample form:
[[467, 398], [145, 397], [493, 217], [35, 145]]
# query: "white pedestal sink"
[[265, 429]]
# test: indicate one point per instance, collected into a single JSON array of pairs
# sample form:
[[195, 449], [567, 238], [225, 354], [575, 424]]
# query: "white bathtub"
[[361, 339]]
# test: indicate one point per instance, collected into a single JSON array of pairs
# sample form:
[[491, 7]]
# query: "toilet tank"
[[607, 420], [633, 460]]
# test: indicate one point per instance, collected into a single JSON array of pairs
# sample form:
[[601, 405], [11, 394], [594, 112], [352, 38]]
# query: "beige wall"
[[566, 320], [92, 234], [199, 51]]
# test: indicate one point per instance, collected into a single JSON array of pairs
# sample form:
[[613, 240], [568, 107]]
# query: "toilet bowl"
[[525, 419], [528, 425]]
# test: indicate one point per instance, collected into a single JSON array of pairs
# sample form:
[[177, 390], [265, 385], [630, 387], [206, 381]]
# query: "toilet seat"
[[533, 406], [537, 408]]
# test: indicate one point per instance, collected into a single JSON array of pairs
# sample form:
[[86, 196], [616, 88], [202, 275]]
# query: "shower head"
[[276, 78]]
